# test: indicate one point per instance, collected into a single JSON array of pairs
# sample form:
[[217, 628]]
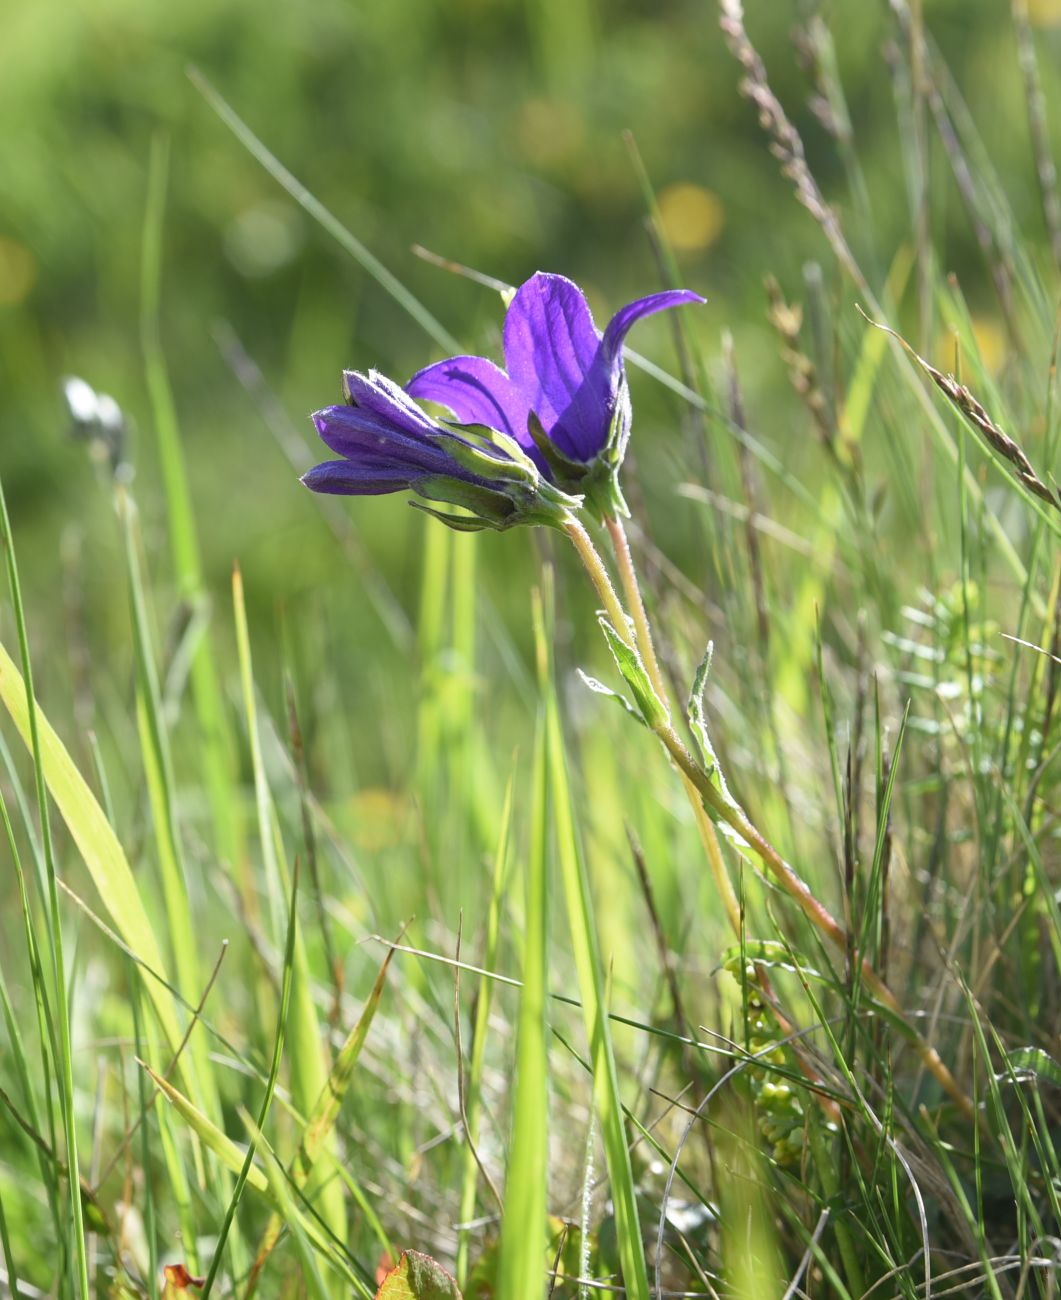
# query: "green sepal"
[[477, 451], [604, 497], [596, 480], [492, 505], [564, 468], [459, 523], [632, 667]]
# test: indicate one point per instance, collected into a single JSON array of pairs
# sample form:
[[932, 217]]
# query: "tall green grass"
[[570, 1073]]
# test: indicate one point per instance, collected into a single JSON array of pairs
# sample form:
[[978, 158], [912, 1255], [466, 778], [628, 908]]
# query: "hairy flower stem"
[[632, 588], [705, 795], [598, 573]]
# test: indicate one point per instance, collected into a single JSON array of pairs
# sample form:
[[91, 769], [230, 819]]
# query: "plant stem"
[[632, 589], [595, 567]]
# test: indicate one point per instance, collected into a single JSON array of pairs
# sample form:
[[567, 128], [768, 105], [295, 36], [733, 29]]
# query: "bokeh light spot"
[[378, 818], [692, 217], [18, 272], [263, 238], [551, 131], [1045, 13], [991, 340]]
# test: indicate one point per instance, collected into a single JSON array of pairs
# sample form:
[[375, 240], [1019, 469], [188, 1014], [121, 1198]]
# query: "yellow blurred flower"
[[1045, 13], [991, 343], [18, 272], [991, 340], [378, 817], [550, 131], [692, 217]]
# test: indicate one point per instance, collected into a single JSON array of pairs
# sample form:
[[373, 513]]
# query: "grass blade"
[[521, 1268], [26, 705], [309, 1077], [590, 968], [473, 1087], [215, 738], [321, 1121], [94, 837], [270, 1087]]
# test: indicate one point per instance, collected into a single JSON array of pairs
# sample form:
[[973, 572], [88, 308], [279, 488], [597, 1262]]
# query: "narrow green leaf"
[[698, 726], [321, 1122], [629, 663], [230, 1155], [473, 1088], [278, 1185], [1031, 1062], [214, 734], [599, 688]]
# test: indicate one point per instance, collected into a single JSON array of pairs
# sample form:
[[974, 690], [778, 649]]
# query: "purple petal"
[[625, 317], [361, 435], [344, 478], [375, 392], [550, 343], [583, 428], [477, 392]]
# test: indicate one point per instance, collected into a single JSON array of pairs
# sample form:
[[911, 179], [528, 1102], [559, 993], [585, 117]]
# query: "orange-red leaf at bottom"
[[418, 1277], [178, 1280]]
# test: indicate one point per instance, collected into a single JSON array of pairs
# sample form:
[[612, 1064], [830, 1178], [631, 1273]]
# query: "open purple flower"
[[387, 444], [563, 396]]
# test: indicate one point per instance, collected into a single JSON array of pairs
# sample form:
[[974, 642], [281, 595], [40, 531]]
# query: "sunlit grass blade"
[[19, 699], [591, 982], [432, 633], [214, 737], [270, 1086], [473, 1085], [311, 1277], [320, 1123], [95, 839], [521, 1269], [309, 1076], [831, 511], [150, 1225], [158, 771], [233, 1157], [227, 1151]]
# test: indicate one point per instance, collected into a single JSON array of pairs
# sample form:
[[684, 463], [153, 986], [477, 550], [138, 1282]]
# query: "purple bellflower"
[[387, 444], [563, 396]]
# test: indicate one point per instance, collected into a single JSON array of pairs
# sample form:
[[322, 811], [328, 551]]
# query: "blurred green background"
[[491, 132]]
